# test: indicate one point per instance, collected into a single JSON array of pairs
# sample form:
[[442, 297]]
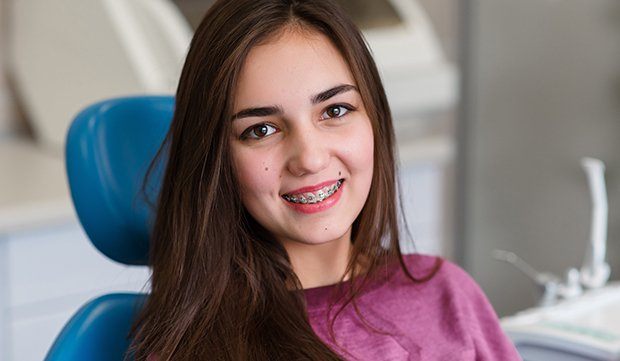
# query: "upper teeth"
[[313, 197]]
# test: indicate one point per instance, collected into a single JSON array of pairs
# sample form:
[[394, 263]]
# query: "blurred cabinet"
[[426, 175]]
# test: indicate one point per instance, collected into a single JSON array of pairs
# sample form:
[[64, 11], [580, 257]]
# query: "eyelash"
[[346, 107], [247, 134]]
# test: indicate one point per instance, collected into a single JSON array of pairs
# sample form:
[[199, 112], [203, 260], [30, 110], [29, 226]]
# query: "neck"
[[319, 265]]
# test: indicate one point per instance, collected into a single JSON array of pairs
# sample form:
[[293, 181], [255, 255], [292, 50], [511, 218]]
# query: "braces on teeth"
[[311, 198]]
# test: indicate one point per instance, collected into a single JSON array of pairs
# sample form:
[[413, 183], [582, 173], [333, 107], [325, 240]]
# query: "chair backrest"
[[99, 330], [110, 145]]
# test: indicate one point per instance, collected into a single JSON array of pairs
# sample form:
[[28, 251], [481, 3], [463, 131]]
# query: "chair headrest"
[[109, 147]]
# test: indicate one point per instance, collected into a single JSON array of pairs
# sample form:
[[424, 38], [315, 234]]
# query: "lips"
[[317, 201]]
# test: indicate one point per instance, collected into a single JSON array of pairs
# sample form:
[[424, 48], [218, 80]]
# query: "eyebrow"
[[258, 112], [323, 96], [277, 110]]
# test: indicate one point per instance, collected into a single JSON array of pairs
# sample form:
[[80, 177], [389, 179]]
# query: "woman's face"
[[302, 143]]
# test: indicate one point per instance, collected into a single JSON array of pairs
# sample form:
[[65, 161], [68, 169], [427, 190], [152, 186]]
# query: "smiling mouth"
[[316, 196]]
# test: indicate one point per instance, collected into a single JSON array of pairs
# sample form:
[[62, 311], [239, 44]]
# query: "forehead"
[[293, 65]]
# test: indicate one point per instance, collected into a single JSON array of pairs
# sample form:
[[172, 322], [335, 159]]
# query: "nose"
[[308, 153]]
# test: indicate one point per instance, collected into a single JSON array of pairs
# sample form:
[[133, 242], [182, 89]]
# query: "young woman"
[[277, 232]]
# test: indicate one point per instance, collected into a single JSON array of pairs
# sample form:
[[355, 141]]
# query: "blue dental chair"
[[109, 147]]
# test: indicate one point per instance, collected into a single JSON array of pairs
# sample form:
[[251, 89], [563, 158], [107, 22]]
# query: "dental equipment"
[[585, 328], [595, 271], [550, 285]]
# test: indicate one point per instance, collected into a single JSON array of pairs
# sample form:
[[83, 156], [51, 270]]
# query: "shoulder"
[[462, 300], [443, 271], [448, 282], [438, 269]]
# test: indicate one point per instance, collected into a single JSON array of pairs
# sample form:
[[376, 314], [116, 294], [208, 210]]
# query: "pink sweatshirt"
[[445, 318]]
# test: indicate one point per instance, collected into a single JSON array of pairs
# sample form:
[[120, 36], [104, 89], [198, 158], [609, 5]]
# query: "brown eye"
[[335, 111], [259, 131]]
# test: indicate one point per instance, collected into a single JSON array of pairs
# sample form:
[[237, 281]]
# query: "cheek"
[[360, 148], [256, 174]]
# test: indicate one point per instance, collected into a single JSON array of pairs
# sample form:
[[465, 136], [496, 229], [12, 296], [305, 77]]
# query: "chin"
[[323, 235]]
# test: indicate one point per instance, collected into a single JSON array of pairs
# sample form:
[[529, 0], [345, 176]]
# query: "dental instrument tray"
[[583, 328]]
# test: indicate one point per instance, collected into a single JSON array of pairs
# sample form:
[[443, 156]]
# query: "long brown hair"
[[222, 288]]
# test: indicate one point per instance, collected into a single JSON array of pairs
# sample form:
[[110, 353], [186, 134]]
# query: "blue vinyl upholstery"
[[98, 331], [109, 147]]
